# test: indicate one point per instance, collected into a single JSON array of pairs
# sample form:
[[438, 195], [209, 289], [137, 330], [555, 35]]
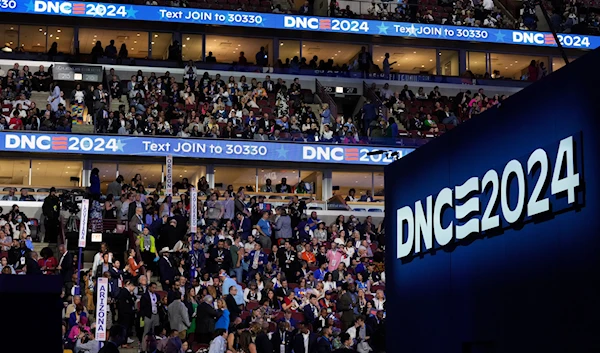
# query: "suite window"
[[449, 64], [33, 39], [191, 47], [407, 60], [227, 49], [160, 45], [477, 63], [516, 67], [135, 42], [9, 37]]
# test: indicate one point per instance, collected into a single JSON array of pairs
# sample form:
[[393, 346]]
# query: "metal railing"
[[382, 110], [326, 98]]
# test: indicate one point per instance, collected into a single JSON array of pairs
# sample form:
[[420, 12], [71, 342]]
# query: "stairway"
[[40, 99], [115, 103]]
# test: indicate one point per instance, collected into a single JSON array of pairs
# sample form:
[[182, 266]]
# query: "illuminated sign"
[[304, 23], [521, 191], [193, 148]]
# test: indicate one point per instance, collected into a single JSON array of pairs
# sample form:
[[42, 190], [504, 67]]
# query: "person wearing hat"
[[166, 269], [51, 211]]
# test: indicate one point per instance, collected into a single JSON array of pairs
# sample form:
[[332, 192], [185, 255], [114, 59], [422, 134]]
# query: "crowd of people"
[[425, 114], [251, 279]]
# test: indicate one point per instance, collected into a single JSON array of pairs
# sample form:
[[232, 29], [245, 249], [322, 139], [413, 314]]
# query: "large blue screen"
[[507, 254]]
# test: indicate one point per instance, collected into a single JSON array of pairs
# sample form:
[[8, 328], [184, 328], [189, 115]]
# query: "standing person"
[[305, 341], [65, 264], [54, 97], [206, 319], [148, 251], [95, 184], [51, 211], [178, 316], [166, 269], [115, 187], [126, 309], [387, 66], [149, 309]]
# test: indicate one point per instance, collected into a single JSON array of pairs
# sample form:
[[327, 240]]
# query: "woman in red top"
[[532, 70], [134, 266], [48, 262]]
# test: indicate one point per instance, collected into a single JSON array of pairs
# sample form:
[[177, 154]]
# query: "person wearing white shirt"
[[98, 258], [219, 343]]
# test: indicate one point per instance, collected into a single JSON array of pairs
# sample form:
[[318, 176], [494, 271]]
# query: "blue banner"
[[196, 148], [292, 22]]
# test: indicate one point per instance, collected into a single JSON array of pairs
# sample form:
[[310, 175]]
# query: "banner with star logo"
[[152, 146], [292, 22]]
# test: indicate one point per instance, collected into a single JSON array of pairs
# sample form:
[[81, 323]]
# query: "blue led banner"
[[304, 23], [195, 148]]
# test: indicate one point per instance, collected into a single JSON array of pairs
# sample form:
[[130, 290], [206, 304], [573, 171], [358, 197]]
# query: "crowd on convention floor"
[[252, 279]]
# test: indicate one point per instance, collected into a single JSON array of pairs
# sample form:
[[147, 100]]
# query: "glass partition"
[[9, 36], [55, 173], [407, 60], [229, 49], [288, 49], [235, 176], [63, 37], [160, 45], [33, 38], [476, 63], [14, 172], [191, 49], [515, 67], [360, 182], [449, 62], [340, 53], [135, 42]]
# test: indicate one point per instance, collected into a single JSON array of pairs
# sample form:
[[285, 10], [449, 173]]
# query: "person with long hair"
[[191, 304], [223, 321], [246, 344], [95, 183]]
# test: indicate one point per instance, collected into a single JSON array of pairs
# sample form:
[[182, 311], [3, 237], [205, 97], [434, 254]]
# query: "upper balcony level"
[[480, 23]]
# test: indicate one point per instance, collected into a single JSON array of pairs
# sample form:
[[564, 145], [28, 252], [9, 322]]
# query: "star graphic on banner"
[[30, 6], [261, 23], [412, 31], [499, 36], [282, 152], [383, 28], [131, 12], [120, 145]]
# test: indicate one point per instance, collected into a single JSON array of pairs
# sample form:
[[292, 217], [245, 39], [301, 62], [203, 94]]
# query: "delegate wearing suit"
[[282, 337], [303, 337], [165, 268], [243, 226], [149, 303], [206, 317], [311, 311]]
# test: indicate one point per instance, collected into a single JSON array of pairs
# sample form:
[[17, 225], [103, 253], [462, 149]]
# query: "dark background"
[[31, 313], [530, 288]]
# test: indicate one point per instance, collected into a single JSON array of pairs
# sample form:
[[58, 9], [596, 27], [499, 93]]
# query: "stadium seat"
[[374, 210], [251, 305]]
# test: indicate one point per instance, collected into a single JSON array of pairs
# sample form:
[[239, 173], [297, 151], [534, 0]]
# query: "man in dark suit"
[[324, 342], [33, 268], [126, 308], [311, 311], [263, 343], [283, 291], [105, 266], [206, 317], [117, 337], [234, 308], [243, 226], [282, 336], [100, 98], [346, 305], [65, 264], [305, 337], [166, 269], [149, 303], [269, 85], [132, 210], [220, 258]]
